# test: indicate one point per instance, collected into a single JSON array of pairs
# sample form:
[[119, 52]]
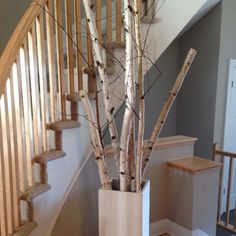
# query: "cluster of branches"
[[131, 155]]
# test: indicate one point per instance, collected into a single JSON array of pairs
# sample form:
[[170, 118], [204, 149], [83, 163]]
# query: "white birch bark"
[[141, 113], [166, 108], [96, 143], [129, 102], [100, 62]]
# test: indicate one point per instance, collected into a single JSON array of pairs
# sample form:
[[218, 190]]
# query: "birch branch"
[[141, 123], [96, 143], [167, 106], [129, 102], [98, 58]]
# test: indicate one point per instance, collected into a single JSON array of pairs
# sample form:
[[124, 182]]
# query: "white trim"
[[167, 226], [199, 232], [231, 66], [158, 227], [67, 192]]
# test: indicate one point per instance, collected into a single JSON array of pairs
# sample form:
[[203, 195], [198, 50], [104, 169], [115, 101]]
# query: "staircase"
[[42, 70]]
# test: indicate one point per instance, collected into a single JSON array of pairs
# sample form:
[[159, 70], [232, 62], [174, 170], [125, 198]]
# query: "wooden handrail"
[[16, 41], [36, 73], [224, 153], [228, 175]]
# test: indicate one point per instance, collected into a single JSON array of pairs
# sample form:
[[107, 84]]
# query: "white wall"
[[61, 173]]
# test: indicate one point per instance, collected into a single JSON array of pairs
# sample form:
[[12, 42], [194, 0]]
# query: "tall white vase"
[[124, 213]]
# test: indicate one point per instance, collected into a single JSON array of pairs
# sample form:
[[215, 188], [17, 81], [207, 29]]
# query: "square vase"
[[124, 213]]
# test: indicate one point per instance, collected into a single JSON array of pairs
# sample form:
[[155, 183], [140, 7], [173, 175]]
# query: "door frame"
[[232, 65]]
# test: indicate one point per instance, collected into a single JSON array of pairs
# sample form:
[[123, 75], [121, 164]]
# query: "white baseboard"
[[167, 226]]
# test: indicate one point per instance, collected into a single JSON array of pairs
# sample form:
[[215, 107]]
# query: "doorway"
[[229, 143]]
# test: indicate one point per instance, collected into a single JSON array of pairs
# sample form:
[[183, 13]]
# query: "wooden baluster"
[[42, 78], [99, 19], [60, 58], [13, 150], [91, 78], [79, 43], [19, 134], [34, 90], [70, 61], [3, 211], [26, 92], [7, 163], [221, 180], [220, 189], [235, 216], [51, 59], [229, 191], [109, 21], [89, 46], [118, 20]]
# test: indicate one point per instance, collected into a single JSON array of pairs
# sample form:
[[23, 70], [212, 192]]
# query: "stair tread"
[[193, 164], [47, 156], [88, 71], [25, 229], [64, 124], [35, 191], [75, 97], [113, 45]]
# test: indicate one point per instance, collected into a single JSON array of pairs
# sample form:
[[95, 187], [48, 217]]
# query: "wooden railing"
[[42, 64], [226, 215]]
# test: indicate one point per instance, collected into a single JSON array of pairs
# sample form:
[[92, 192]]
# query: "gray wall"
[[11, 12], [196, 101], [227, 51], [168, 65]]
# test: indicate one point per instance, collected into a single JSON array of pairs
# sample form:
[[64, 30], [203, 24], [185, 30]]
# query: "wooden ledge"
[[193, 165], [64, 124], [88, 71], [75, 97], [166, 142], [172, 141], [34, 192], [47, 156], [25, 229], [113, 45]]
